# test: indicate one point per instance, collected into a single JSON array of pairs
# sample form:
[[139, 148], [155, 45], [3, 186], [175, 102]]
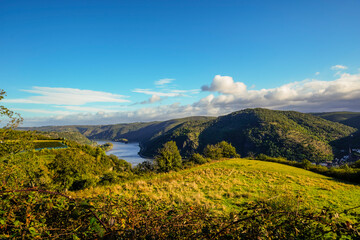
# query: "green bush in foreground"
[[43, 214]]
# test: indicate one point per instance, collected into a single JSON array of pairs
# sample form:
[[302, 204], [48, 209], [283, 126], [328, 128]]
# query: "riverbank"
[[127, 151]]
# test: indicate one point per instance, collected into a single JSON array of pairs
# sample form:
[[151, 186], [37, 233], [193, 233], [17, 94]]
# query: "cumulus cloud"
[[154, 98], [164, 81], [339, 67], [226, 85], [67, 96], [308, 95]]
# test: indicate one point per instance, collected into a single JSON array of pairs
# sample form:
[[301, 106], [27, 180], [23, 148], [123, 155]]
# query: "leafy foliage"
[[44, 214], [106, 146], [68, 135], [14, 119], [75, 167], [220, 150], [168, 157], [198, 159]]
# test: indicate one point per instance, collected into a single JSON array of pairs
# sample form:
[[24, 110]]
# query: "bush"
[[228, 150], [219, 150], [306, 164], [144, 167], [168, 157], [198, 158]]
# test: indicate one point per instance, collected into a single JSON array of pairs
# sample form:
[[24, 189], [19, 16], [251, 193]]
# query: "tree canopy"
[[168, 157], [14, 118]]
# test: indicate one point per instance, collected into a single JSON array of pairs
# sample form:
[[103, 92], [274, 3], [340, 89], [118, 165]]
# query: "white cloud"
[[88, 109], [308, 95], [144, 114], [168, 93], [164, 81], [67, 96], [160, 94], [154, 98], [30, 110], [339, 67], [317, 73], [226, 85]]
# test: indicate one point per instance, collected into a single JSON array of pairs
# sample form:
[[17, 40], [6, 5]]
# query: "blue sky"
[[103, 62]]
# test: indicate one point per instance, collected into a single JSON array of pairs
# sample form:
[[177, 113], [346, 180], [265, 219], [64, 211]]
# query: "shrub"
[[228, 150], [219, 150], [168, 157], [198, 158]]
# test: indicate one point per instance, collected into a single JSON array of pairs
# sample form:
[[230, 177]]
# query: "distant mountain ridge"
[[289, 134], [351, 119]]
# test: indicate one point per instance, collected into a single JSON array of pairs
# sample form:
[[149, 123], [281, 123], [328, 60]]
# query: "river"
[[126, 151]]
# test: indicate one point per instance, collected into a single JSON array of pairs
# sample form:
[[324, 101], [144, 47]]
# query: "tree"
[[9, 138], [219, 150], [213, 152], [168, 157], [14, 118], [197, 158], [228, 150]]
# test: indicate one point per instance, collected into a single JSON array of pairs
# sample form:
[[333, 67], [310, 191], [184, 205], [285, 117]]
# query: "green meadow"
[[225, 185]]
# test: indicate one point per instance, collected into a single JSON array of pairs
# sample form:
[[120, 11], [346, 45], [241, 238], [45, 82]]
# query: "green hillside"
[[293, 135], [351, 119], [289, 134], [135, 132], [234, 198], [72, 136], [30, 159], [224, 185]]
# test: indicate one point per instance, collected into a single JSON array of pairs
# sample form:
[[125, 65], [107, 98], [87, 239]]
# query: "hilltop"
[[351, 119], [289, 134]]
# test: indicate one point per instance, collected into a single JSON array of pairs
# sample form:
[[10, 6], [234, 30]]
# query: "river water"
[[126, 151]]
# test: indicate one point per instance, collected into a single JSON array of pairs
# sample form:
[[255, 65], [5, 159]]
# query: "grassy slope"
[[225, 184]]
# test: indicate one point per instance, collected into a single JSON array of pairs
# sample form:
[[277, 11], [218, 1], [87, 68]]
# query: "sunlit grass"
[[224, 185]]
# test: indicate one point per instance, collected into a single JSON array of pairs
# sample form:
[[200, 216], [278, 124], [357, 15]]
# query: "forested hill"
[[351, 119], [134, 132], [289, 134]]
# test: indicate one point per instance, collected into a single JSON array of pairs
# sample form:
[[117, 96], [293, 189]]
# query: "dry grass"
[[223, 185]]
